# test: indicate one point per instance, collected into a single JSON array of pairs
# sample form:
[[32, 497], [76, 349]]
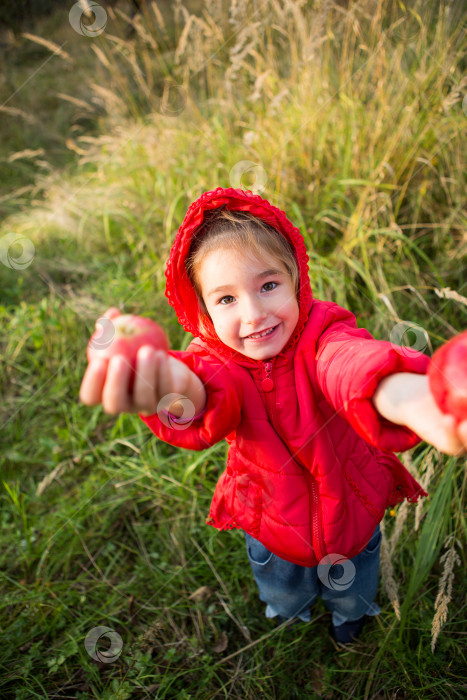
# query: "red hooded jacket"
[[310, 469]]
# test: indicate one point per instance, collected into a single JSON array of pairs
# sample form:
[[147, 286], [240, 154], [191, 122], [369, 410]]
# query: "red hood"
[[180, 291]]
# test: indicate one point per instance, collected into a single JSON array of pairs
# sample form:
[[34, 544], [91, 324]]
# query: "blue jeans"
[[347, 586]]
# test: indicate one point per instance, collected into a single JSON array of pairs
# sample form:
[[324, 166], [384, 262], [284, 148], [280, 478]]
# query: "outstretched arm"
[[405, 399], [158, 376], [186, 399]]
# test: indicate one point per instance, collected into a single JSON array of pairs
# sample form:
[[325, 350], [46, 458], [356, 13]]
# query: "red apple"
[[447, 376], [124, 335]]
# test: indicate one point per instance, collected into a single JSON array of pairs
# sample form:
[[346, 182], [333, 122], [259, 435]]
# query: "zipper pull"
[[267, 384]]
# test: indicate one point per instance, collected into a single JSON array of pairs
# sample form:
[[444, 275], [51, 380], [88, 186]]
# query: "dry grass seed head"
[[450, 559], [401, 517], [424, 483], [387, 573]]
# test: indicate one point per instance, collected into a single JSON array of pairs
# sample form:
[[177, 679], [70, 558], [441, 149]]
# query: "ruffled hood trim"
[[179, 290]]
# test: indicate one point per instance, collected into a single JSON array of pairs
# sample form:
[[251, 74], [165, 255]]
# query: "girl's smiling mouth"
[[262, 335]]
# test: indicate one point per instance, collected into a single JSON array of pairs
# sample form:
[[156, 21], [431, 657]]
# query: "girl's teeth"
[[260, 335]]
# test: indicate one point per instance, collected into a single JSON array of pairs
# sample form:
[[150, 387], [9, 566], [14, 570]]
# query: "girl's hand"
[[406, 399], [158, 375]]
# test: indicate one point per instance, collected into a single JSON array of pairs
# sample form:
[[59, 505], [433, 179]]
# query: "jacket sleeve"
[[350, 364], [220, 416]]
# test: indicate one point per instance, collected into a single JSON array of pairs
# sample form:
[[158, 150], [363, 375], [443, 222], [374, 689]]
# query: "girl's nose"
[[253, 312]]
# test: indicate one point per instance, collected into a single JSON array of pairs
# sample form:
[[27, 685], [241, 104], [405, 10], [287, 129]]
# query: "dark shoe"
[[347, 632]]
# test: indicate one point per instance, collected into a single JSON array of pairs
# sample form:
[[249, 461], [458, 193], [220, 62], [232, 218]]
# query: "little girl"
[[312, 407]]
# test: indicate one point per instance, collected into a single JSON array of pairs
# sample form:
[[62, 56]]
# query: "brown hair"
[[242, 232]]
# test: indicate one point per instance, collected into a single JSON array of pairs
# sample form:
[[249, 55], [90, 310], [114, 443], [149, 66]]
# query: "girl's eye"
[[229, 296], [266, 283]]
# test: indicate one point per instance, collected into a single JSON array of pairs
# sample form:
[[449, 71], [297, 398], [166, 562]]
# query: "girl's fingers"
[[167, 390], [164, 374], [448, 422], [145, 387], [462, 430], [175, 379], [116, 396], [90, 392], [452, 436]]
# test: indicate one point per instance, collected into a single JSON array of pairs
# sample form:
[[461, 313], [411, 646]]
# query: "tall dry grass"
[[354, 111]]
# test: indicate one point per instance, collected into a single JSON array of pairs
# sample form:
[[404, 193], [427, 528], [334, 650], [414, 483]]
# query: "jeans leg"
[[349, 589], [287, 589]]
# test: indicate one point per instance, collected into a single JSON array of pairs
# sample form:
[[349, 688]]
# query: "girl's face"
[[246, 296]]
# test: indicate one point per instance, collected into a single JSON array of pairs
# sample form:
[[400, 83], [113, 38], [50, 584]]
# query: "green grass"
[[356, 117]]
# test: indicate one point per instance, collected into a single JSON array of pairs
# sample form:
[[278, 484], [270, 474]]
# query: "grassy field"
[[354, 115]]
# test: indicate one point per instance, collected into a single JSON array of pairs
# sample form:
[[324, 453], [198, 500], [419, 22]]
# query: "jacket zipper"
[[320, 549], [268, 385]]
